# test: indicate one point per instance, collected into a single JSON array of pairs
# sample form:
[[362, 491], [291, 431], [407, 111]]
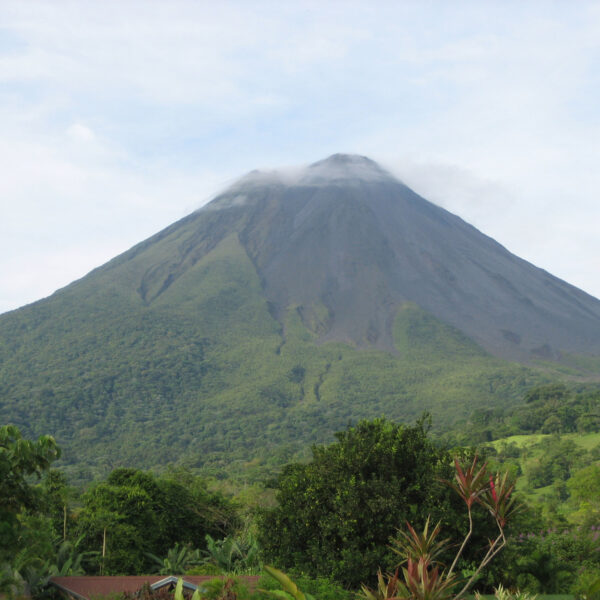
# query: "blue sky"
[[117, 118]]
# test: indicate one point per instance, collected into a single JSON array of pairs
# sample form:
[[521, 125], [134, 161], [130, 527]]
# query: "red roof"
[[87, 587]]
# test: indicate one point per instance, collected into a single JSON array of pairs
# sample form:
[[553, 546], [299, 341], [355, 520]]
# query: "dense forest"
[[546, 409], [161, 387], [335, 519]]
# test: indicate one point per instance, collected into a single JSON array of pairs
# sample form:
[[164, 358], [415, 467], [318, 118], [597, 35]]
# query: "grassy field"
[[533, 449], [586, 441]]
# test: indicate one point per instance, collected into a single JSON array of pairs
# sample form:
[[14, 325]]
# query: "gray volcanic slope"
[[347, 244]]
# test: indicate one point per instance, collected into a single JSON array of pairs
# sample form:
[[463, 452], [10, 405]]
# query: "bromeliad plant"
[[494, 493], [424, 576]]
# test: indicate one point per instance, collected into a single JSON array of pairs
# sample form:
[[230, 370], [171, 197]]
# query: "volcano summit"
[[348, 245], [291, 303]]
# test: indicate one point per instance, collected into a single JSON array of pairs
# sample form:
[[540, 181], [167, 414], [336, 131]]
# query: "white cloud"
[[66, 211], [80, 133]]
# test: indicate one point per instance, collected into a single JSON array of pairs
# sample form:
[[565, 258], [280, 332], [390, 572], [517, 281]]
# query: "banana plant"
[[289, 591], [179, 559], [179, 592], [68, 559], [232, 554]]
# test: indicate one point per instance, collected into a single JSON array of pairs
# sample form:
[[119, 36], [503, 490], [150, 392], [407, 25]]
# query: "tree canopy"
[[20, 459], [134, 513], [336, 514]]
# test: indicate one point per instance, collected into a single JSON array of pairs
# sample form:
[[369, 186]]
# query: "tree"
[[118, 521], [584, 487], [134, 515], [552, 425], [336, 514], [57, 496], [20, 460]]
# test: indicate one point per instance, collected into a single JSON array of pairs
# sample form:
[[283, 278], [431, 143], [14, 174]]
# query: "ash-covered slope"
[[347, 244]]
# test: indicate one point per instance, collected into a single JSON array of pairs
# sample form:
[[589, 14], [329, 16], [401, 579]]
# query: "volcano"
[[348, 245], [293, 302]]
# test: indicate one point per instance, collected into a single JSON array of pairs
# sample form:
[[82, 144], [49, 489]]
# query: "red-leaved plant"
[[424, 575]]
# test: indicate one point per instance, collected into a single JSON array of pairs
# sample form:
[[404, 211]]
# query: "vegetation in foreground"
[[335, 522]]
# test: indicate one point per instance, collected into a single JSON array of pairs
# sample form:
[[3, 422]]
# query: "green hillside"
[[558, 474], [551, 444], [205, 376]]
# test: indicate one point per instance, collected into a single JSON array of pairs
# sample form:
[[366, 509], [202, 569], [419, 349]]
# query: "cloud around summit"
[[119, 117]]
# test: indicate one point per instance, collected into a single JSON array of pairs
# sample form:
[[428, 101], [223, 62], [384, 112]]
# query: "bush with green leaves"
[[226, 588], [287, 588], [587, 585], [26, 536], [336, 513], [134, 517], [21, 461], [291, 584], [233, 554], [178, 561], [551, 561]]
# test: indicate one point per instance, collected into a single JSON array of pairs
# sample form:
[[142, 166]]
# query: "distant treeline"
[[545, 409]]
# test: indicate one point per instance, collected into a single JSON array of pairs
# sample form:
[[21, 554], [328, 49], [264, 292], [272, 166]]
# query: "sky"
[[119, 117]]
